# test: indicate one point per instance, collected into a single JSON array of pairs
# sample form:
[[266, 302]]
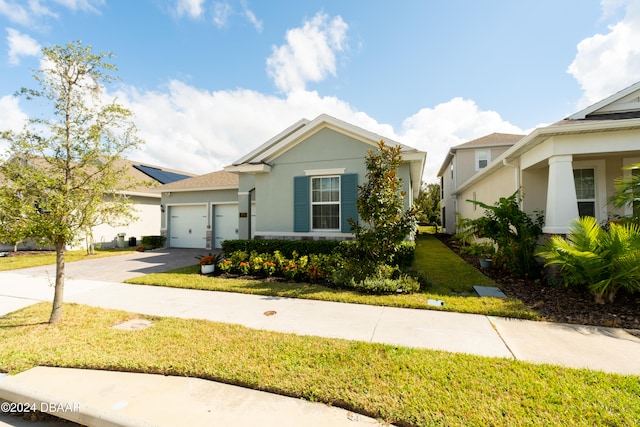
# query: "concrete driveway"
[[122, 267]]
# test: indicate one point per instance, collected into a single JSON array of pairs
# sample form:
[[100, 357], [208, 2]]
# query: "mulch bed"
[[558, 303]]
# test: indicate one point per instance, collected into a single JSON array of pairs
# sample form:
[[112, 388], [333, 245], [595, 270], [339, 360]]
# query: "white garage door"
[[225, 223], [188, 226]]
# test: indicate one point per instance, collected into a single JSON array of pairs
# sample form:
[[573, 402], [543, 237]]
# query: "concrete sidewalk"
[[606, 349]]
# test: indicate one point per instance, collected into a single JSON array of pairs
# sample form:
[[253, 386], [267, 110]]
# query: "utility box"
[[120, 242]]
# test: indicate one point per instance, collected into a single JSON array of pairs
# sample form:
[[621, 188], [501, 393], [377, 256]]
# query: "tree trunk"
[[58, 296]]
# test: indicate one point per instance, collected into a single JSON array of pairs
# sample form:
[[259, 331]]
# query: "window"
[[325, 203], [482, 159], [585, 182]]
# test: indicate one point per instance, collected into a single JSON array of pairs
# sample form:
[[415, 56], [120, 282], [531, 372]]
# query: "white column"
[[562, 204]]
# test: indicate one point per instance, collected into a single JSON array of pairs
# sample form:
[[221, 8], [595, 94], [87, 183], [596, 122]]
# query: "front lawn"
[[410, 387], [452, 282], [16, 261]]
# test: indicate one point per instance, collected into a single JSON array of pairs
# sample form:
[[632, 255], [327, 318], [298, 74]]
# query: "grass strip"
[[48, 258], [453, 280], [405, 386]]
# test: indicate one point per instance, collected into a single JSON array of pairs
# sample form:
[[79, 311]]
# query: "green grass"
[[400, 385], [452, 277], [47, 258]]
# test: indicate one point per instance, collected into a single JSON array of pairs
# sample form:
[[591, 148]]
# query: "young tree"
[[59, 168], [428, 204], [381, 207]]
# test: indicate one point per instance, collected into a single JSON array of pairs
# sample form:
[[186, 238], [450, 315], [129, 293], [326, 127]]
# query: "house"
[[565, 170], [462, 162], [300, 184], [145, 204], [200, 212]]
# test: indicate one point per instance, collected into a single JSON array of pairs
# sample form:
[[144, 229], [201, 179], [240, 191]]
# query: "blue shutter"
[[348, 200], [301, 215]]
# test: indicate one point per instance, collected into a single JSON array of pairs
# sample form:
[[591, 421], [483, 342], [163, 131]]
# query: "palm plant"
[[604, 261]]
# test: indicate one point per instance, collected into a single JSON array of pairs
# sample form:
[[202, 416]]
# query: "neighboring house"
[[567, 169], [301, 184], [146, 207], [200, 212], [462, 162]]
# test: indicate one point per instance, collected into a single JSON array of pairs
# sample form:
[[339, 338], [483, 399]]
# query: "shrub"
[[603, 260], [514, 232], [153, 242], [285, 247]]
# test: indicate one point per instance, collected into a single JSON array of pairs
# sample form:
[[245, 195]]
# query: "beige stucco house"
[[566, 169], [461, 163]]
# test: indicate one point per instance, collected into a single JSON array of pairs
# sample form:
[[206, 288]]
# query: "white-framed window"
[[483, 157], [585, 182], [591, 188], [634, 208], [325, 203]]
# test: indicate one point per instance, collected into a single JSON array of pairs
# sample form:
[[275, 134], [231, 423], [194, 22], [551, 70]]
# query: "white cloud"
[[200, 131], [21, 45], [309, 53], [193, 8], [221, 13], [85, 5], [606, 63], [436, 130], [252, 17], [22, 14], [11, 117]]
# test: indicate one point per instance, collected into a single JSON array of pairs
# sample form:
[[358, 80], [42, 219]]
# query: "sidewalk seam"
[[495, 328], [375, 327]]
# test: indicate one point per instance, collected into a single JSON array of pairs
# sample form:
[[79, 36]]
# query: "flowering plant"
[[209, 259]]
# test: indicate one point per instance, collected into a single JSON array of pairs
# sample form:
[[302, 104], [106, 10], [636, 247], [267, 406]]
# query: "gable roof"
[[218, 180], [258, 160], [140, 172], [492, 140], [163, 176], [625, 102]]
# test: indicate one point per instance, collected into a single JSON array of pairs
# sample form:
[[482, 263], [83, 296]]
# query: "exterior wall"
[[465, 161], [448, 200], [501, 183], [325, 149], [147, 211], [210, 198]]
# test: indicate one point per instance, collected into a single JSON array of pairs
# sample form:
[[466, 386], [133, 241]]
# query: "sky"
[[210, 80]]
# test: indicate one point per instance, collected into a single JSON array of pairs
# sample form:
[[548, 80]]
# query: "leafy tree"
[[428, 204], [59, 168], [627, 192], [14, 227], [381, 207], [514, 232], [605, 261]]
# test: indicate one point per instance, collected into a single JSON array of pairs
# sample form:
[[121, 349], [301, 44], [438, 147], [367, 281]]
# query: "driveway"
[[122, 267]]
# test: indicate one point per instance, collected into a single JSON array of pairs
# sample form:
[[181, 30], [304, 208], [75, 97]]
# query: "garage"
[[188, 226], [225, 223]]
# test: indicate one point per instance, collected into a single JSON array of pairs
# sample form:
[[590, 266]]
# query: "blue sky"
[[210, 80]]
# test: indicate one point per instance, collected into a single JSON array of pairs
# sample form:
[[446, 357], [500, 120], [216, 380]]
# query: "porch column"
[[244, 220], [562, 204]]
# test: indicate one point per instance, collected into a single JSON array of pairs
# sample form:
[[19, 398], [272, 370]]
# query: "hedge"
[[286, 247]]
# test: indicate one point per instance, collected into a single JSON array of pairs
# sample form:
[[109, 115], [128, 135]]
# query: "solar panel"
[[162, 176]]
